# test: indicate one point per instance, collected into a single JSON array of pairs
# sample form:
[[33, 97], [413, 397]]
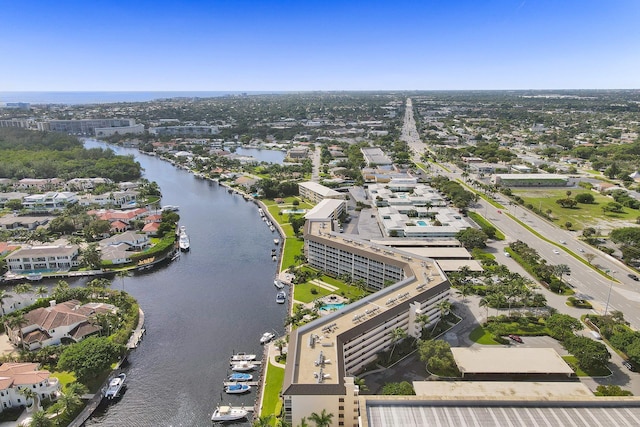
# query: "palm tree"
[[561, 270], [422, 320], [322, 420], [397, 335], [23, 288], [303, 422], [362, 386], [3, 295], [263, 421], [40, 419], [41, 291], [122, 274], [61, 289], [280, 343], [29, 394], [16, 321]]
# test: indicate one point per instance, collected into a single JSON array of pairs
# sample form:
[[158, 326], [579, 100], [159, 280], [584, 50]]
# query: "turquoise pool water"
[[422, 223], [332, 307]]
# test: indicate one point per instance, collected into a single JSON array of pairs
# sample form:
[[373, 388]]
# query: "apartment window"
[[341, 400]]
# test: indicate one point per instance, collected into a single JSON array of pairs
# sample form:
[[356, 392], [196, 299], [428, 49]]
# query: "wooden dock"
[[135, 339]]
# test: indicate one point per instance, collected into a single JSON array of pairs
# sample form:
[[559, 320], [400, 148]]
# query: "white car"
[[557, 252]]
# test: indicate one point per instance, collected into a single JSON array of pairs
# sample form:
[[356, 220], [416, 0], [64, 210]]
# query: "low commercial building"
[[374, 156], [325, 354], [530, 180]]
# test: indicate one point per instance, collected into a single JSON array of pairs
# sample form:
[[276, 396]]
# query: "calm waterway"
[[215, 299]]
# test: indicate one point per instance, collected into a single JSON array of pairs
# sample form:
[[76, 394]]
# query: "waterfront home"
[[135, 241], [115, 198], [80, 184], [30, 258], [49, 202], [39, 184], [14, 376], [14, 195], [61, 323], [11, 222], [124, 216]]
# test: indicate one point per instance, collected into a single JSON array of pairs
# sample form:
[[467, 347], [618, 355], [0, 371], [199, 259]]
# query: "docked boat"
[[238, 357], [183, 239], [276, 241], [115, 385], [34, 277], [281, 297], [272, 228], [266, 337], [242, 366], [237, 388], [278, 284], [240, 377], [170, 208], [229, 413]]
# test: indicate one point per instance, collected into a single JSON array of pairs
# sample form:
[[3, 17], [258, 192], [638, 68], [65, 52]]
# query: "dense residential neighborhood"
[[478, 241]]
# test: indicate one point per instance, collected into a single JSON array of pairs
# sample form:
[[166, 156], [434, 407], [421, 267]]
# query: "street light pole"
[[606, 307]]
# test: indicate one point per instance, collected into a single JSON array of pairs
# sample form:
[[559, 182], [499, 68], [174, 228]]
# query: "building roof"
[[539, 390], [449, 265], [441, 253], [320, 189], [45, 251], [500, 360], [401, 411], [324, 209], [532, 176]]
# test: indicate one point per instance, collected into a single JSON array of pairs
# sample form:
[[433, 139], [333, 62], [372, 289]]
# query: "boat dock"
[[138, 332]]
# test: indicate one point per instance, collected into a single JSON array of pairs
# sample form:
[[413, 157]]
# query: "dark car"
[[633, 277], [516, 338], [628, 365]]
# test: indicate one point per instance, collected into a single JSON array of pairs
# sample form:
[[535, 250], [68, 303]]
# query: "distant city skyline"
[[326, 45]]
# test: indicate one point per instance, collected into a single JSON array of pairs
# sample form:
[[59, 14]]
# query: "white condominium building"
[[325, 354]]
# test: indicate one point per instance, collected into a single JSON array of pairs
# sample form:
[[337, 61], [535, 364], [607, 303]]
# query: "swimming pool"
[[422, 223], [294, 211], [332, 307]]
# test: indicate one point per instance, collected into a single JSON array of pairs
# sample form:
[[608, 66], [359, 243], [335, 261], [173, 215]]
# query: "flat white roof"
[[319, 188], [539, 390], [437, 253], [532, 176], [450, 265], [501, 360], [324, 209]]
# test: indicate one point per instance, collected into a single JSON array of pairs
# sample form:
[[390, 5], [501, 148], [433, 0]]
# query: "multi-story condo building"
[[48, 202], [325, 354], [84, 126], [185, 130], [315, 192]]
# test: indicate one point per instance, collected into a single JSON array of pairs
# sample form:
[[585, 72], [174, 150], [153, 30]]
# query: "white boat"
[[237, 388], [34, 277], [115, 385], [281, 297], [183, 239], [228, 413], [266, 337], [276, 241], [278, 284], [240, 376], [242, 366], [170, 208], [238, 357], [272, 228]]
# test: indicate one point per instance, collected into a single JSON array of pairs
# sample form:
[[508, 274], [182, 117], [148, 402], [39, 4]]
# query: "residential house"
[[119, 248], [14, 376], [50, 201], [68, 321], [11, 222], [38, 258], [39, 184]]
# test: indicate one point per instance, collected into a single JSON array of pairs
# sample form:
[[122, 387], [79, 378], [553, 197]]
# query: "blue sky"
[[318, 45]]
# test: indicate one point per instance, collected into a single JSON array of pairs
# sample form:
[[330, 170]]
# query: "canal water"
[[216, 299]]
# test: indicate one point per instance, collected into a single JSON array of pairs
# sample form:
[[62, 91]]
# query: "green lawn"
[[573, 362], [583, 215], [272, 387], [482, 222], [482, 336], [302, 292], [292, 247], [64, 377]]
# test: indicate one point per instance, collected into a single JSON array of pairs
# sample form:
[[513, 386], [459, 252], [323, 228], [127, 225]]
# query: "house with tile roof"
[[14, 376], [68, 321]]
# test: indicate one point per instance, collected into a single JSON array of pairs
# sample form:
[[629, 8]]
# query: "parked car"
[[596, 335], [507, 254], [628, 365], [557, 252], [516, 338], [633, 277]]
